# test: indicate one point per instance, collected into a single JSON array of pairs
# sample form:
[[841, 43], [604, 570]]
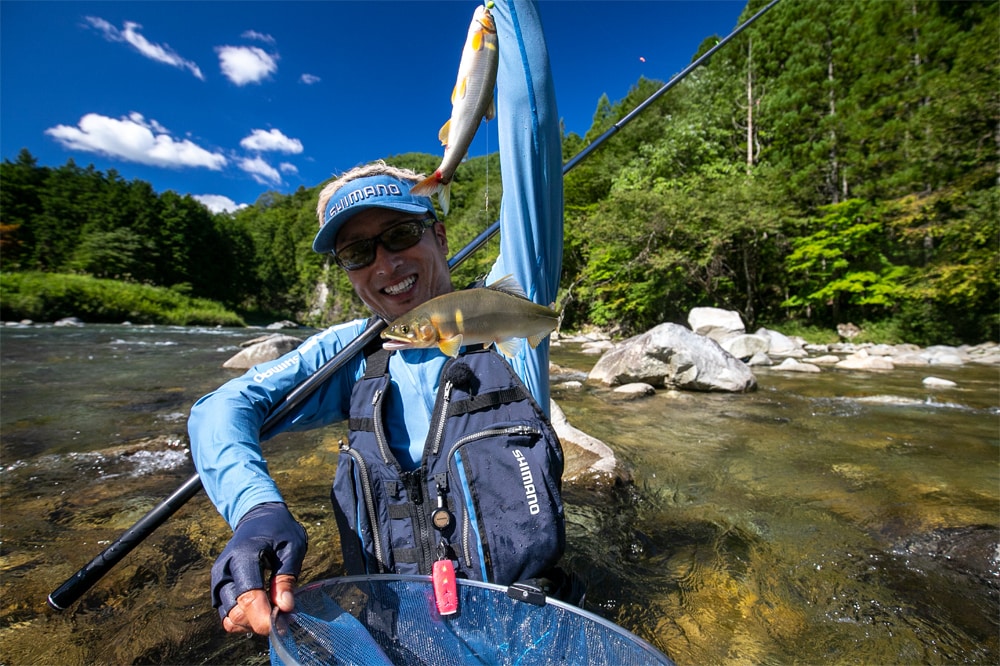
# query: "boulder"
[[69, 321], [261, 350], [791, 365], [781, 345], [744, 346], [715, 323], [585, 455], [672, 356]]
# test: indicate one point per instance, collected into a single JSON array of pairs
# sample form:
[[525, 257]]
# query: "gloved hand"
[[267, 537]]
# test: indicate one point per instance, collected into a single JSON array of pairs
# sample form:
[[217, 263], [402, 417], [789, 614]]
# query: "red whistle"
[[445, 588]]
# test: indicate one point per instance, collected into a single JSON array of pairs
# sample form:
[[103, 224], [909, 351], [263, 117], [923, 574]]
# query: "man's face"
[[396, 282]]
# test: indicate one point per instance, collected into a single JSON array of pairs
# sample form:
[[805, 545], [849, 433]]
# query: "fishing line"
[[76, 585]]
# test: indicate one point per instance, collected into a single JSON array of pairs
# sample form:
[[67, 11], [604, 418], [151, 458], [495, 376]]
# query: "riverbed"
[[843, 517]]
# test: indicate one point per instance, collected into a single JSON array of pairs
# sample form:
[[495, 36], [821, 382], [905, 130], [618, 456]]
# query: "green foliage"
[[51, 296]]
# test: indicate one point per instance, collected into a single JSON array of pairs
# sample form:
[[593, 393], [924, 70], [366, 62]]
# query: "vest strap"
[[488, 400]]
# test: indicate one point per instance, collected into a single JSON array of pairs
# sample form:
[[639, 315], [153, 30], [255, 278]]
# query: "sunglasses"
[[396, 238]]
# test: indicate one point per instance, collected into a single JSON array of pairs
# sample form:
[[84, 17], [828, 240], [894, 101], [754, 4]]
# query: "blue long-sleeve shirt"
[[225, 425]]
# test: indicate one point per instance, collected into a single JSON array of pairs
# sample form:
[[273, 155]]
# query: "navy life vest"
[[487, 494]]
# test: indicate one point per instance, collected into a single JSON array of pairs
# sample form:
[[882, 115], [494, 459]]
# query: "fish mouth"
[[392, 344], [400, 287]]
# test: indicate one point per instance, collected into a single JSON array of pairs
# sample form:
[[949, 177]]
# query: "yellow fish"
[[471, 101], [498, 314]]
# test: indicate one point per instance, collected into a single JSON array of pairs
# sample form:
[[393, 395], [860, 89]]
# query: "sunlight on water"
[[805, 522]]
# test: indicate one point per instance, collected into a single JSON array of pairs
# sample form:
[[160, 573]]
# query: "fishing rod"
[[77, 585]]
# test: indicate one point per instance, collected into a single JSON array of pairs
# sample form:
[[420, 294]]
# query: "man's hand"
[[252, 611], [266, 538]]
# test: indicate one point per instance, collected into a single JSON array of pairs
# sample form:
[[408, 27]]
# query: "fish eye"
[[404, 329]]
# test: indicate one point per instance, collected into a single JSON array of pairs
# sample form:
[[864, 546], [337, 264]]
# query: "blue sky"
[[227, 100]]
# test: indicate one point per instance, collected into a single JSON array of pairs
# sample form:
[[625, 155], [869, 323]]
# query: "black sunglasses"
[[396, 238]]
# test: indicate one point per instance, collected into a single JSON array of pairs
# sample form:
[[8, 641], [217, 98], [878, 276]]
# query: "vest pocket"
[[511, 525], [354, 500]]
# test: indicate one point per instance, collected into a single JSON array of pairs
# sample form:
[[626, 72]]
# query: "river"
[[843, 517]]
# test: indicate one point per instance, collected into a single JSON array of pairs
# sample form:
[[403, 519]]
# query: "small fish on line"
[[471, 102], [498, 314]]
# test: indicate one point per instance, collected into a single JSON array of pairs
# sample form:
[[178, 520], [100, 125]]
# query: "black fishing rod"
[[78, 584]]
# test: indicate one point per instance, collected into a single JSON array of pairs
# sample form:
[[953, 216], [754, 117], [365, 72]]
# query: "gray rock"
[[781, 344], [672, 356], [861, 360], [69, 321], [791, 365], [278, 325], [937, 382], [745, 346], [760, 358], [715, 323], [634, 390], [585, 455], [261, 350], [825, 359]]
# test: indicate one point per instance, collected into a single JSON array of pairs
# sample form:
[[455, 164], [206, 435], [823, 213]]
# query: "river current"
[[844, 517]]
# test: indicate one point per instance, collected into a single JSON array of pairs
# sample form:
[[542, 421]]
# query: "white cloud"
[[288, 167], [134, 139], [246, 64], [130, 35], [273, 140], [259, 36], [262, 172], [309, 79], [218, 203]]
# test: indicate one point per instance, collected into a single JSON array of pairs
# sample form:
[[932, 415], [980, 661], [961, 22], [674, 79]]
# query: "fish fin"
[[444, 197], [451, 346], [508, 285], [536, 340], [491, 110], [444, 132], [427, 186], [477, 40], [509, 348]]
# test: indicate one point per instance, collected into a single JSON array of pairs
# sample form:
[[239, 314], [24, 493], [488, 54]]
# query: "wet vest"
[[487, 494]]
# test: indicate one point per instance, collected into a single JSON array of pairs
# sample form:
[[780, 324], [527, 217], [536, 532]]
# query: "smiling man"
[[433, 475]]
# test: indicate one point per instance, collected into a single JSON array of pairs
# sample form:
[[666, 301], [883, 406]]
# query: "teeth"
[[402, 286]]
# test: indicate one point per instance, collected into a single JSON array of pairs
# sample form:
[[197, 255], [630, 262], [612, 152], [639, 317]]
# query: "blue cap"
[[381, 191]]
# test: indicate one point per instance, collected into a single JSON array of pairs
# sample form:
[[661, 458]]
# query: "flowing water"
[[833, 518]]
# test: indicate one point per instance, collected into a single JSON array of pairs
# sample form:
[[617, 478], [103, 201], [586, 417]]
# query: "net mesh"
[[393, 620]]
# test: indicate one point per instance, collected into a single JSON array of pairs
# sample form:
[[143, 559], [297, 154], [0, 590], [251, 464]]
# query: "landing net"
[[393, 619]]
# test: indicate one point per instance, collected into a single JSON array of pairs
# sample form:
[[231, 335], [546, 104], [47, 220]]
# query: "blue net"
[[393, 619]]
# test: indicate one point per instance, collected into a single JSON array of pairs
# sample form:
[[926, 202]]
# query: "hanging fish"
[[497, 314], [471, 101]]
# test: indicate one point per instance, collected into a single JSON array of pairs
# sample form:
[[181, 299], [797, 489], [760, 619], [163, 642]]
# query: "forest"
[[837, 161]]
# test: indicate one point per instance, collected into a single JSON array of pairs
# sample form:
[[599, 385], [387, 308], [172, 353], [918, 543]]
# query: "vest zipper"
[[493, 432], [366, 490], [383, 446], [442, 416]]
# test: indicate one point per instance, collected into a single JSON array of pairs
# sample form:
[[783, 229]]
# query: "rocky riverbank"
[[717, 354]]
